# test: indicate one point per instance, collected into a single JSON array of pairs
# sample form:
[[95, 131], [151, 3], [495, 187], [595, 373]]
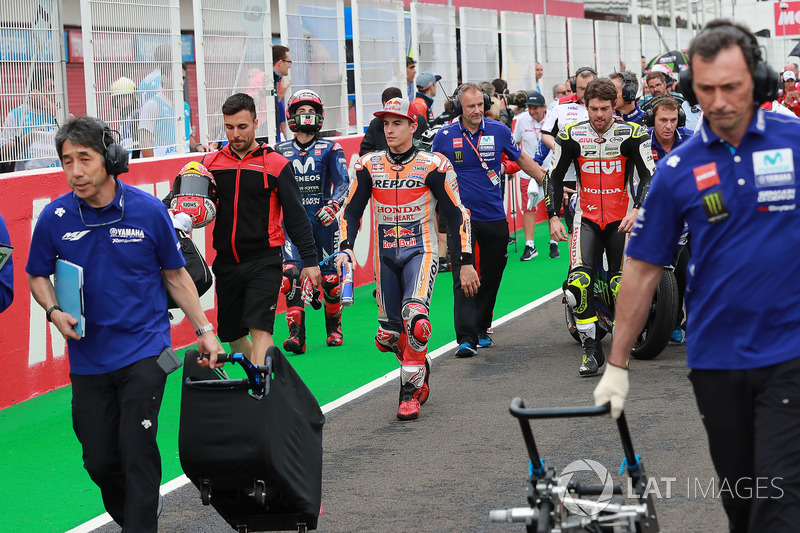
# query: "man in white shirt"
[[528, 133]]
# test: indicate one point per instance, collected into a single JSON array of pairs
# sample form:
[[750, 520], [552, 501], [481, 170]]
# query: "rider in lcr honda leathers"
[[606, 194], [320, 169]]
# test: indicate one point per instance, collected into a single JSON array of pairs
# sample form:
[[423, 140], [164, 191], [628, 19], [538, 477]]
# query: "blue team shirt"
[[478, 194], [125, 302], [742, 294], [681, 136]]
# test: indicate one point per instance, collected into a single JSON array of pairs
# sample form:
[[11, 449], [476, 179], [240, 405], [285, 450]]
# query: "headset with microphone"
[[765, 89], [455, 101], [116, 157]]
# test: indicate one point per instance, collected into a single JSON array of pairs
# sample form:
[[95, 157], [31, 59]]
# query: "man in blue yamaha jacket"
[[125, 243], [735, 183], [474, 146]]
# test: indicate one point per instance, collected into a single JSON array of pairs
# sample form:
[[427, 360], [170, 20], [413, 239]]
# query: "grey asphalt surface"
[[465, 455]]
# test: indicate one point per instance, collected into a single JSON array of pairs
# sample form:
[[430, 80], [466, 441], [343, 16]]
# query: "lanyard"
[[483, 163]]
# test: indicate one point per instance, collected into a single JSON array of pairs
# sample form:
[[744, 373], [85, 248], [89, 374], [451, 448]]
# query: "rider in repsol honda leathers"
[[606, 152], [320, 169], [405, 185]]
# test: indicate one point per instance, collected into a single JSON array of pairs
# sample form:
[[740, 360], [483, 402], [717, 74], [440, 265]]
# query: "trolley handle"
[[523, 414], [518, 410], [259, 376]]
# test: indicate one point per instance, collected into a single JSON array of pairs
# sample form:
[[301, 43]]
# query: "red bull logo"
[[397, 232], [393, 105]]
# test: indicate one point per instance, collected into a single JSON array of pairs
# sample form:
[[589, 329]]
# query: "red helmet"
[[305, 122], [194, 193]]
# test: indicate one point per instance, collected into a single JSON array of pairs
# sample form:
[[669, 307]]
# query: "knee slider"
[[291, 279], [331, 288], [417, 323], [613, 284], [576, 289]]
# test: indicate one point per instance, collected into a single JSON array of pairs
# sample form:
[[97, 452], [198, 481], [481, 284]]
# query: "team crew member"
[[570, 109], [666, 134], [125, 242], [405, 185], [321, 173], [627, 106], [607, 152], [734, 182], [528, 134], [256, 188], [7, 270], [475, 145], [426, 92]]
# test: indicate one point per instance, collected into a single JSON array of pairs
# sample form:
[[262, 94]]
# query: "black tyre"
[[569, 318], [661, 319], [205, 493]]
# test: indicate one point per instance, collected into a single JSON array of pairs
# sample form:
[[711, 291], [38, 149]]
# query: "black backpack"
[[196, 266]]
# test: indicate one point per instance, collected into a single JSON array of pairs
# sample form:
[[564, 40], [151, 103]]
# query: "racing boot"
[[412, 379], [424, 391], [593, 357], [334, 327], [296, 320]]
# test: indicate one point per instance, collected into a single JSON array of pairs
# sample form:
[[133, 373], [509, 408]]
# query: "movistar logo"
[[772, 160]]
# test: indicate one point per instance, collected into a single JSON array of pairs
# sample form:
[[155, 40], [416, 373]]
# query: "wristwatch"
[[50, 312], [204, 329]]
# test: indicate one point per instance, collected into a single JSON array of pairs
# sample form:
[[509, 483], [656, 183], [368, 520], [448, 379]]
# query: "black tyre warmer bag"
[[196, 266], [230, 439]]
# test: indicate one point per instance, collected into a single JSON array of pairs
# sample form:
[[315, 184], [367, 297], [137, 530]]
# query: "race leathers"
[[606, 193], [405, 190], [320, 169]]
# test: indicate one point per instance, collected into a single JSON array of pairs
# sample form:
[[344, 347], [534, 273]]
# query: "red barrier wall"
[[34, 359]]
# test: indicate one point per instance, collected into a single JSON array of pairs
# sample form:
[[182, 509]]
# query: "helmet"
[[122, 86], [194, 193], [305, 123]]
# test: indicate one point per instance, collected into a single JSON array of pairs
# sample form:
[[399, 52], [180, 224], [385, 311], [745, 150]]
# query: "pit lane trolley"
[[558, 507], [253, 446]]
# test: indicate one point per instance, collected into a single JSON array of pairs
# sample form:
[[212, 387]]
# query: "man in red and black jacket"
[[257, 191]]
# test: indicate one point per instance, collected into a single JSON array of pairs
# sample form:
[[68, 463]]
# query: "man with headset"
[[474, 145], [735, 184], [570, 109], [125, 242], [627, 107]]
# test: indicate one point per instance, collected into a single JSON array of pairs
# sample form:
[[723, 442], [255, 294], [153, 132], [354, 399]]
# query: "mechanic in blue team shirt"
[[735, 182], [320, 169], [474, 146], [666, 122], [125, 242]]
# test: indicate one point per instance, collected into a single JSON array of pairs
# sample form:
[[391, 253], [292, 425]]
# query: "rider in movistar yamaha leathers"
[[607, 152], [320, 169]]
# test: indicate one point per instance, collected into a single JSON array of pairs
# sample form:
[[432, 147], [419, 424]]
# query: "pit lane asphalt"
[[465, 455]]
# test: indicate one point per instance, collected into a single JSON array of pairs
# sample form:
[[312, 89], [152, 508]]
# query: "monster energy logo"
[[714, 206]]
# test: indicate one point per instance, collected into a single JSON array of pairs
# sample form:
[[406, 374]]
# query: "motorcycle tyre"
[[661, 320]]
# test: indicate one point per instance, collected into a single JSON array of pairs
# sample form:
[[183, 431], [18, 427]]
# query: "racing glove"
[[535, 194], [613, 387], [181, 221], [327, 213], [310, 294]]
